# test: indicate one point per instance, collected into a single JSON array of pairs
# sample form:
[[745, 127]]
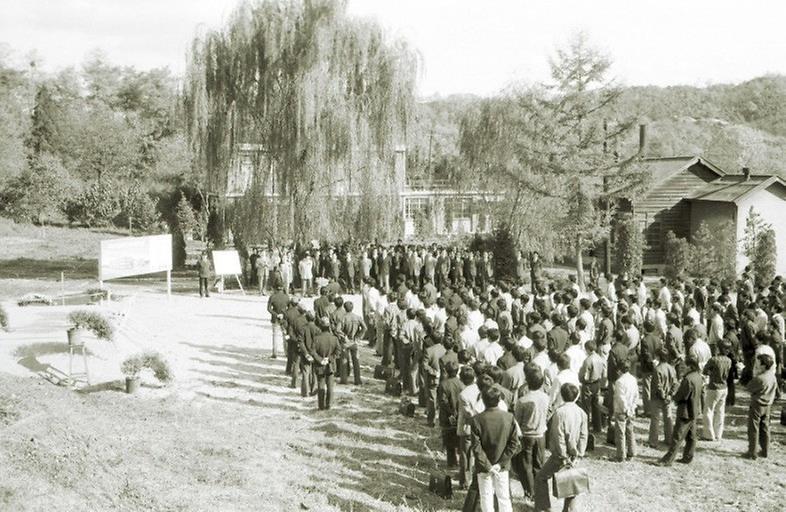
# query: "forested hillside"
[[101, 144]]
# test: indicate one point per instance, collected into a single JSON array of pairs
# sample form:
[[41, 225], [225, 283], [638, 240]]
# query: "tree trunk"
[[579, 266]]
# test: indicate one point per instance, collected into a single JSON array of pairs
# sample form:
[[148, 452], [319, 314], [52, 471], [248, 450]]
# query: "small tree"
[[629, 247], [137, 209], [765, 256], [702, 257], [504, 250], [754, 226], [713, 252], [98, 205], [677, 257], [186, 220]]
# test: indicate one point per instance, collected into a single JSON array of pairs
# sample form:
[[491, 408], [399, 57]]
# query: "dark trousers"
[[303, 369], [528, 461], [349, 359], [450, 440], [291, 356], [590, 402], [387, 349], [684, 430], [324, 389], [204, 289], [466, 460], [405, 364], [731, 396], [431, 399], [758, 429]]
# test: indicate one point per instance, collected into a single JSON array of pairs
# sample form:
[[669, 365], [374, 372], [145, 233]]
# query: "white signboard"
[[226, 263], [131, 256]]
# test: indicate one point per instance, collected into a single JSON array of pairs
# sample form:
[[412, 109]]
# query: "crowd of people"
[[525, 378]]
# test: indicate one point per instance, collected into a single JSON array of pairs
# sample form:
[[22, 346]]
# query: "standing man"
[[717, 371], [531, 412], [664, 385], [204, 275], [324, 353], [626, 396], [354, 329], [494, 442], [306, 268], [688, 399], [762, 388], [568, 442], [277, 307]]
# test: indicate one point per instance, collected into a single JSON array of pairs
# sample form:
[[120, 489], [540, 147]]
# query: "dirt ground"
[[230, 435]]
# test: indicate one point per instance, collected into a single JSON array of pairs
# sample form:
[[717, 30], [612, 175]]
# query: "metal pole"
[[62, 288]]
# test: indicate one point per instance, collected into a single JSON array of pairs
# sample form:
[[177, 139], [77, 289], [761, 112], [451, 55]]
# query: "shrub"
[[504, 250], [186, 220], [94, 322], [98, 205], [137, 209], [152, 361], [629, 246], [677, 256], [3, 318], [713, 252]]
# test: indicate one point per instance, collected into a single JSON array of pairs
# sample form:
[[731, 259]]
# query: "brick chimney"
[[642, 139]]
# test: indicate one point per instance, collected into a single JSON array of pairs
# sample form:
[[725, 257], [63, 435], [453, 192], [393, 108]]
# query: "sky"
[[465, 46]]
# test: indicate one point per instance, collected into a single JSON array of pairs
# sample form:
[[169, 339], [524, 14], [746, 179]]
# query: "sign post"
[[133, 256]]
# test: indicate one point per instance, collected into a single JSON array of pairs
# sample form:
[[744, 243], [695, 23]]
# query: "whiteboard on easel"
[[226, 263]]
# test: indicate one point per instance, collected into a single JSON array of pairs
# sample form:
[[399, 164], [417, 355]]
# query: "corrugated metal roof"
[[733, 187]]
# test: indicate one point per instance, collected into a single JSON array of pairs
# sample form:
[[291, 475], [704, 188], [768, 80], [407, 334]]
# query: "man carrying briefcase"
[[568, 442]]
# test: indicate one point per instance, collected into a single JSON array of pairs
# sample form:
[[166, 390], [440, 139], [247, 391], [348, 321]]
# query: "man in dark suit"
[[324, 353], [494, 443], [354, 329], [298, 342], [651, 343], [688, 399], [449, 403], [618, 354], [308, 382], [322, 304], [277, 307], [557, 338], [431, 372]]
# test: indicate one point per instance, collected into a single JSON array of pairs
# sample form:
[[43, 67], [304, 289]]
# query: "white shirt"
[[469, 338], [642, 293], [475, 320], [695, 315], [634, 336], [665, 298], [701, 351], [660, 321], [493, 352], [480, 349], [762, 349], [524, 342], [577, 356], [306, 266], [563, 377], [587, 317], [373, 298], [626, 395]]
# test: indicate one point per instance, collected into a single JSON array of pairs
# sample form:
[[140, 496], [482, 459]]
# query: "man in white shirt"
[[626, 397], [576, 352], [470, 405], [660, 318], [474, 316], [716, 326], [306, 269], [564, 376], [664, 295], [634, 336], [540, 351], [482, 344], [494, 350], [698, 348], [468, 337], [585, 314]]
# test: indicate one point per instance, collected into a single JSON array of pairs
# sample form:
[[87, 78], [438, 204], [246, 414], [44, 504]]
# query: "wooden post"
[[169, 283], [62, 288]]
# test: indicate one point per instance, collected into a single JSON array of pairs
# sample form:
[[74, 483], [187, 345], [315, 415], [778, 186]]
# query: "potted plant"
[[83, 320], [153, 361]]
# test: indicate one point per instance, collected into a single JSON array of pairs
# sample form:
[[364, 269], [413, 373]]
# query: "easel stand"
[[221, 284]]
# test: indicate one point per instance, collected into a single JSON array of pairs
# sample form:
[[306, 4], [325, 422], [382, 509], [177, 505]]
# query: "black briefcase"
[[591, 442], [783, 416], [393, 387], [383, 372], [441, 485], [407, 408]]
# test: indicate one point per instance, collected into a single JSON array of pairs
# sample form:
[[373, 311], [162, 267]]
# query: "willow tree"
[[553, 146], [325, 96]]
